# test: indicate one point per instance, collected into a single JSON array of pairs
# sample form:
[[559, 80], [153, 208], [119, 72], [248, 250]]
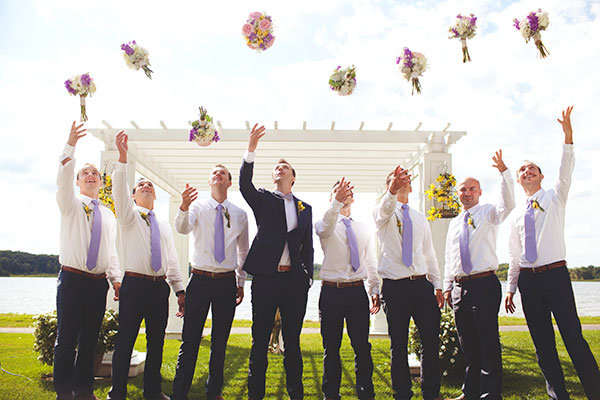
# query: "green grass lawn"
[[522, 377]]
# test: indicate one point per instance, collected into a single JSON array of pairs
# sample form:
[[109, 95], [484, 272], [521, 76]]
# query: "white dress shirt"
[[76, 227], [549, 224], [387, 214], [200, 219], [135, 235], [291, 214], [334, 241], [482, 237]]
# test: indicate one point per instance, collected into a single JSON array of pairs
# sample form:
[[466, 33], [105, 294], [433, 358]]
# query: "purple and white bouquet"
[[136, 57], [258, 31], [412, 65], [203, 131], [464, 28], [343, 81], [81, 85], [531, 26]]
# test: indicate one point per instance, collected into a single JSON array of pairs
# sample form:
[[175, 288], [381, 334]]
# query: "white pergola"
[[364, 156]]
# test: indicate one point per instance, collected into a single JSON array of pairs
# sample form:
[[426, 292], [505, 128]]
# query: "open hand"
[[188, 195], [76, 133], [498, 162], [509, 304], [121, 143], [342, 190], [376, 304], [255, 135], [566, 125], [401, 178]]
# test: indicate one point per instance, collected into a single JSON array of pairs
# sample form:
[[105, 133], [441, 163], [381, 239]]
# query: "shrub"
[[452, 362], [45, 335]]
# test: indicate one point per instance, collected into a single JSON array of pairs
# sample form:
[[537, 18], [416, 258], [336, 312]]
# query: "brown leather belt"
[[284, 268], [147, 277], [341, 285], [544, 268], [83, 273], [213, 275], [467, 278]]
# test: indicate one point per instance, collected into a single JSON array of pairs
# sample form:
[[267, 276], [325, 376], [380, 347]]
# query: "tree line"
[[22, 263]]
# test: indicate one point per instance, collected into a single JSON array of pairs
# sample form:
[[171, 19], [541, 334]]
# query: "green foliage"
[[502, 272], [22, 263], [451, 358], [45, 335]]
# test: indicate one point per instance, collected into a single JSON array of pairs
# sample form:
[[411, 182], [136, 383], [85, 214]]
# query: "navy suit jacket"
[[267, 247]]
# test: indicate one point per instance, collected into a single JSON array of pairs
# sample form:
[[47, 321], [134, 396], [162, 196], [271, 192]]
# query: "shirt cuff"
[[119, 166], [336, 205], [249, 156], [567, 148], [68, 152], [512, 288], [506, 174]]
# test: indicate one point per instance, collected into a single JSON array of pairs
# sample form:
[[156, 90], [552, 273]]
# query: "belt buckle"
[[212, 275], [412, 278], [536, 270], [338, 285]]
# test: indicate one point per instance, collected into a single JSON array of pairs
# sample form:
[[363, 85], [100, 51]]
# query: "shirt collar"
[[143, 210], [213, 203], [86, 199], [281, 194], [537, 194], [473, 209]]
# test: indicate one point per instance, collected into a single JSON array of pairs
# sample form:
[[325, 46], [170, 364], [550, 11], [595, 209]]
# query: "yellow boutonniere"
[[300, 206], [536, 204], [87, 210], [227, 216], [399, 223], [145, 218], [471, 222]]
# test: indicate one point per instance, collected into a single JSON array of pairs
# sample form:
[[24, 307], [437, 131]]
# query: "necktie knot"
[[529, 204], [95, 202], [405, 207], [346, 221], [282, 196], [151, 213], [467, 215], [219, 207]]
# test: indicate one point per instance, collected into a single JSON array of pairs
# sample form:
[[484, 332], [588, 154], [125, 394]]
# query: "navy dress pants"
[[476, 304], [351, 304], [80, 305], [204, 292], [551, 293], [404, 299], [140, 299], [270, 292]]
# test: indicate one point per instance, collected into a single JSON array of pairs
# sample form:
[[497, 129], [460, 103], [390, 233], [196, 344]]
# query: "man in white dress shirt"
[[537, 266], [150, 259], [349, 260], [471, 285], [220, 247], [88, 256], [412, 285]]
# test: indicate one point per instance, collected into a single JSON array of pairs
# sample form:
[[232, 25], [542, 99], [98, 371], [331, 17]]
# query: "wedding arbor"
[[364, 156]]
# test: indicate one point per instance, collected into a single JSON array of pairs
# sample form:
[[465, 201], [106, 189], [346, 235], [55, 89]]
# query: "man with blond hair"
[[88, 255]]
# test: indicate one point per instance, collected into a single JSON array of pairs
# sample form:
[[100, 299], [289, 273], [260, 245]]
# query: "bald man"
[[471, 285]]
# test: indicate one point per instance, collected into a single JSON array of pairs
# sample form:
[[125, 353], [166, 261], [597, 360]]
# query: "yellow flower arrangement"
[[227, 217], [300, 206], [145, 218], [536, 204], [105, 193], [399, 224], [88, 211], [470, 222], [445, 194]]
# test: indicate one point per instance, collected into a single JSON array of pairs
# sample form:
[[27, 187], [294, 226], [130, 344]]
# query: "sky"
[[507, 97]]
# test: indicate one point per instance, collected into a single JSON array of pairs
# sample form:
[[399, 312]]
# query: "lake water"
[[38, 295]]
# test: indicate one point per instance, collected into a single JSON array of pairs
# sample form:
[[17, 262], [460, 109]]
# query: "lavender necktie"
[[219, 235], [530, 245], [155, 256], [465, 254], [354, 259], [407, 237], [92, 257]]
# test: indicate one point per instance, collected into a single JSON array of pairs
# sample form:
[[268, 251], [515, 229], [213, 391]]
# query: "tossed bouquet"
[[343, 81], [136, 57], [258, 31], [203, 131], [413, 65], [531, 26], [81, 85], [464, 28]]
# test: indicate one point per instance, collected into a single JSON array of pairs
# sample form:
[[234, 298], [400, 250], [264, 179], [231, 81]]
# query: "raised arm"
[[184, 221], [567, 163], [507, 192], [386, 207], [249, 192], [65, 195], [341, 192], [123, 202]]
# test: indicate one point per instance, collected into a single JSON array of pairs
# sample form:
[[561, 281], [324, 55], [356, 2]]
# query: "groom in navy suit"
[[281, 263]]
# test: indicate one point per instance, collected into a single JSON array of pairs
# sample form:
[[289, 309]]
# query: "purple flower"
[[86, 80], [216, 138], [252, 37], [473, 21], [127, 48], [516, 23], [193, 134], [408, 56], [268, 37], [133, 41], [69, 88], [398, 59], [455, 31], [534, 23]]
